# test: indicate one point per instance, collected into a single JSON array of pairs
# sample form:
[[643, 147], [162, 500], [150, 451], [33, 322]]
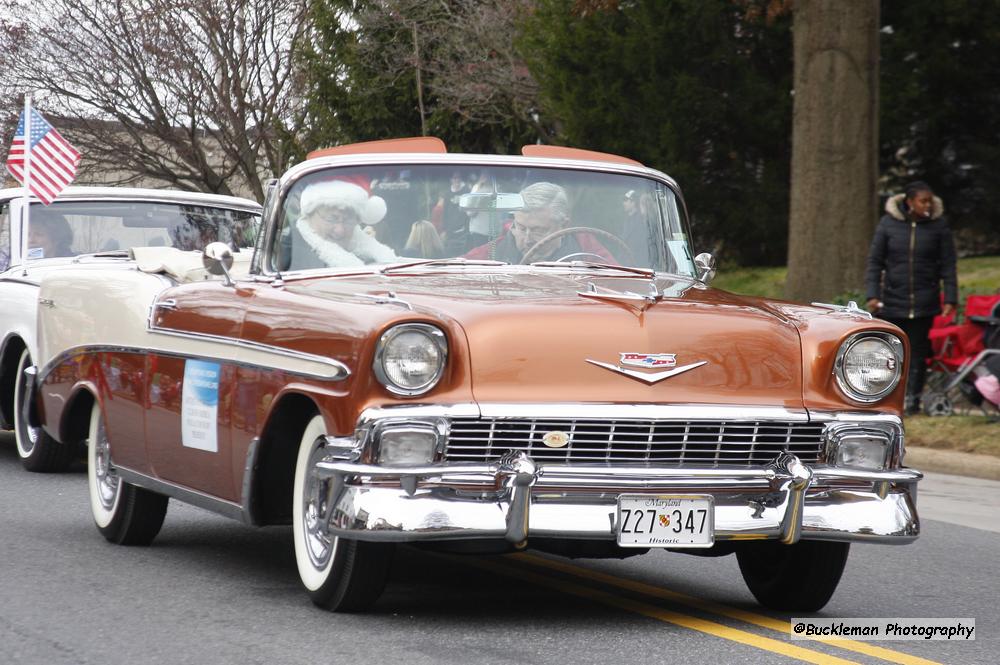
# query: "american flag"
[[53, 159]]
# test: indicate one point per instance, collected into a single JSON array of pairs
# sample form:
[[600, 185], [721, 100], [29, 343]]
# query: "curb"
[[953, 462]]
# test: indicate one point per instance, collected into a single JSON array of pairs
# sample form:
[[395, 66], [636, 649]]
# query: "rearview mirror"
[[491, 201]]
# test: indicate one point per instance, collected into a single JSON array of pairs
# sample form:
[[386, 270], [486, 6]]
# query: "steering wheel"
[[600, 233]]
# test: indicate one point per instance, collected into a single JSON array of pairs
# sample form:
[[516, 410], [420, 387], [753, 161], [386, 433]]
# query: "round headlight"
[[869, 366], [410, 358]]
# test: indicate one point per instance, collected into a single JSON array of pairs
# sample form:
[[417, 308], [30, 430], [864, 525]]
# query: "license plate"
[[665, 521]]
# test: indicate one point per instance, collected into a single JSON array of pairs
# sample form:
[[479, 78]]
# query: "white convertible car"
[[88, 227]]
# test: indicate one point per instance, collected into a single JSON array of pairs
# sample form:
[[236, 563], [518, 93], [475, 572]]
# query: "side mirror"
[[704, 263], [217, 257], [490, 201]]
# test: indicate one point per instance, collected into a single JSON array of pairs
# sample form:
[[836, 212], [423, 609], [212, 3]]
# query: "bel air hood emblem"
[[648, 361]]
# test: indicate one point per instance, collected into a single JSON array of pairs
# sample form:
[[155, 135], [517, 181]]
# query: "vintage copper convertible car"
[[562, 378]]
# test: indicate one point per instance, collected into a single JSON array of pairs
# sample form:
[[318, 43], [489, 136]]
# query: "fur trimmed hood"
[[894, 206]]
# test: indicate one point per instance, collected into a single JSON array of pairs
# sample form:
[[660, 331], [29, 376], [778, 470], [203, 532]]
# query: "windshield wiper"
[[441, 262], [645, 272]]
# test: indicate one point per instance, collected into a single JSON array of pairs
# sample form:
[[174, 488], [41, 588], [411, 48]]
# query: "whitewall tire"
[[38, 451], [339, 574], [124, 514]]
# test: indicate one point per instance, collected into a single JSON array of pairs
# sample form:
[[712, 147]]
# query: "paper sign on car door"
[[200, 405]]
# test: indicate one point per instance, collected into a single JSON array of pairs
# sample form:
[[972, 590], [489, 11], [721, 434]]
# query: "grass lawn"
[[974, 434], [969, 434], [976, 275]]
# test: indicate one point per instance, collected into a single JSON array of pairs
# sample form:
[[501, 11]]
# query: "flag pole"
[[26, 208]]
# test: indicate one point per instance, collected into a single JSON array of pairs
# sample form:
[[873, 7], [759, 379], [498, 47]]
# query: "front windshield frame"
[[675, 231]]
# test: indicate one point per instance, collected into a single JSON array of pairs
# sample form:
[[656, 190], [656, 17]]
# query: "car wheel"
[[339, 574], [793, 578], [38, 451], [124, 514]]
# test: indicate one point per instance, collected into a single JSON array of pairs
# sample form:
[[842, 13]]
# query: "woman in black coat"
[[911, 255]]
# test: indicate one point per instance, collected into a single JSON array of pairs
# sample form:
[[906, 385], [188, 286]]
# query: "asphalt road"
[[210, 590]]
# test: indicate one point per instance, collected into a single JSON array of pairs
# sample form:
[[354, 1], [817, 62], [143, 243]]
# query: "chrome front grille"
[[637, 442]]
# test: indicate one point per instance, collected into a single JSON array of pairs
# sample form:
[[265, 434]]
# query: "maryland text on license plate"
[[665, 521]]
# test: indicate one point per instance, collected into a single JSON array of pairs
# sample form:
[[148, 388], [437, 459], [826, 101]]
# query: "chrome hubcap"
[[314, 500], [31, 434], [107, 478], [30, 438]]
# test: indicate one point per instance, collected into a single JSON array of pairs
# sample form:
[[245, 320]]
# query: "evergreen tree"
[[940, 94], [697, 88]]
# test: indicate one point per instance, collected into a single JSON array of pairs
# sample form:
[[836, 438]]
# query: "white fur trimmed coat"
[[360, 250]]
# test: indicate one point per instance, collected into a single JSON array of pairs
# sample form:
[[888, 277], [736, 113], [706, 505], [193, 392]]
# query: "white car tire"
[[124, 514], [339, 574], [38, 451]]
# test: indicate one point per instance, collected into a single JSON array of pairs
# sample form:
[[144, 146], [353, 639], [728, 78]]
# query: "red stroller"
[[966, 359]]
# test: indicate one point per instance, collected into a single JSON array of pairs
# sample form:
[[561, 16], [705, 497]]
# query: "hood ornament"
[[850, 308], [648, 361], [640, 301]]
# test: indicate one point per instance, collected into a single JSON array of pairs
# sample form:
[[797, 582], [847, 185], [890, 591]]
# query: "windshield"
[[348, 217], [71, 228]]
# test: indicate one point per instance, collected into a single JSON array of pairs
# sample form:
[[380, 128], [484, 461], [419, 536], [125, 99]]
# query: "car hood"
[[533, 337]]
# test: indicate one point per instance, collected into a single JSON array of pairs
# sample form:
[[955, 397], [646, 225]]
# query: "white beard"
[[359, 249]]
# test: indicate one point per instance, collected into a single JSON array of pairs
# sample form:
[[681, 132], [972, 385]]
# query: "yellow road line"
[[676, 618], [717, 608]]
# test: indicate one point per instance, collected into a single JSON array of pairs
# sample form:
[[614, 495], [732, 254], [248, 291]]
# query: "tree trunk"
[[834, 147]]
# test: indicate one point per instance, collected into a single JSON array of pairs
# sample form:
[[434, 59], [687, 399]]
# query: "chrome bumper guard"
[[515, 498]]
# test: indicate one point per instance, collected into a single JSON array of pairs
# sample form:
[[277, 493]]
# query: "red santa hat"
[[348, 192]]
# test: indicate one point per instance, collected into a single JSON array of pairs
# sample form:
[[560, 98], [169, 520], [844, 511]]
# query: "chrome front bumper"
[[516, 499]]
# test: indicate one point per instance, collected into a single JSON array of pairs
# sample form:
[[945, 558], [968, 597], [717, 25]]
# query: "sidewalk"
[[951, 462], [971, 502]]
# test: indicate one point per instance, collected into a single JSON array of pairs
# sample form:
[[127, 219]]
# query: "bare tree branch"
[[193, 93], [467, 56]]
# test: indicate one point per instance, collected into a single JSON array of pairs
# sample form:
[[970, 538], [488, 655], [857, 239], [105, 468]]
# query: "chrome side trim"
[[339, 371], [193, 497]]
